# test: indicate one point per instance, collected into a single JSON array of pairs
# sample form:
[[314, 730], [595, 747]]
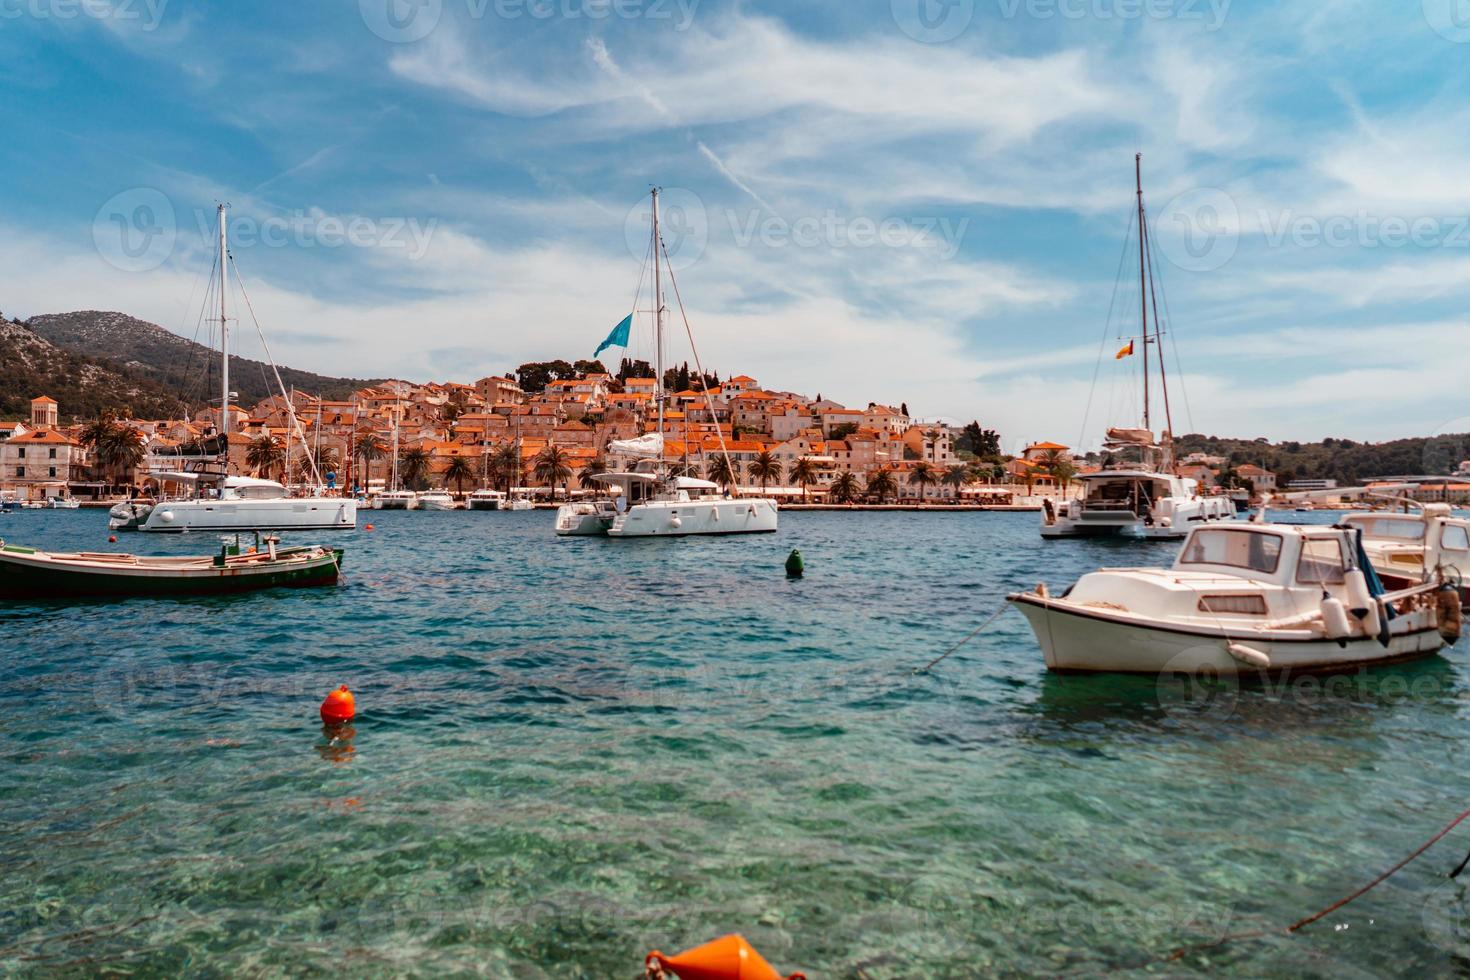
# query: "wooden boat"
[[1243, 599], [26, 573]]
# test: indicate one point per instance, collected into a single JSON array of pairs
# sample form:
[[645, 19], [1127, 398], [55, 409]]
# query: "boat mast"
[[658, 323], [396, 399], [1142, 285], [224, 345]]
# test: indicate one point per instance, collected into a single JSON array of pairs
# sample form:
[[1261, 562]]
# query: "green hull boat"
[[26, 573]]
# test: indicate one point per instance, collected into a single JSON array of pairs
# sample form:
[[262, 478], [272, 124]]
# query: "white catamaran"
[[1141, 494], [652, 501], [220, 502]]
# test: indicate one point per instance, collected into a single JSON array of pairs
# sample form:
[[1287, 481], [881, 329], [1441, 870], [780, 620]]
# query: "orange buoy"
[[339, 707], [368, 528], [112, 539], [727, 958]]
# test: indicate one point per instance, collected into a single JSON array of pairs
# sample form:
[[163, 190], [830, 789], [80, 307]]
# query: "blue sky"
[[893, 200]]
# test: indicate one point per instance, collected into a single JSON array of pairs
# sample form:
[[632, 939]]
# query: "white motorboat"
[[220, 502], [1135, 503], [436, 500], [485, 500], [1140, 494], [1417, 545], [396, 500], [652, 502], [1241, 599], [585, 518], [241, 503], [62, 503], [520, 499]]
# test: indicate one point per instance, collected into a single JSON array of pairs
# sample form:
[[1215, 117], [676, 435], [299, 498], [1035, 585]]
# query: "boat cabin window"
[[1454, 538], [257, 493], [1321, 562], [1398, 528], [1239, 549]]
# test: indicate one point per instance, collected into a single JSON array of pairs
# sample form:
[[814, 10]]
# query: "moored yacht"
[[1424, 542], [1242, 598], [652, 501], [436, 500], [1139, 493], [485, 500], [585, 518], [396, 500]]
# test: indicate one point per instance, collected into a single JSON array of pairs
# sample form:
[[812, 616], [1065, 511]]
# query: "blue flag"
[[619, 336]]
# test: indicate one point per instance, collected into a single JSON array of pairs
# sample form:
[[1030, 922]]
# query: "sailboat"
[[651, 500], [220, 502], [395, 498], [1141, 495]]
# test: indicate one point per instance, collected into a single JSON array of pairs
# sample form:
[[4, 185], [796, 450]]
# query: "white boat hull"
[[688, 517], [284, 514], [482, 504], [1186, 515], [433, 503], [1103, 641]]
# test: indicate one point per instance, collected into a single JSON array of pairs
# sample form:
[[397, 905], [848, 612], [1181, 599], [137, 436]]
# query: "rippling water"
[[571, 751]]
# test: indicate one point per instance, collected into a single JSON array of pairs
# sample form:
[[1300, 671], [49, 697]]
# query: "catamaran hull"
[[1088, 641], [582, 526], [38, 577], [289, 514], [685, 518], [435, 505], [483, 505]]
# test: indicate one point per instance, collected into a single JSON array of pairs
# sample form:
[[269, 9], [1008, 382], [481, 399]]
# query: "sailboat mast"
[[224, 342], [658, 320], [1142, 284]]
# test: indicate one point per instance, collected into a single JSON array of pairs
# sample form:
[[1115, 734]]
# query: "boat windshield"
[[1255, 550], [1396, 528]]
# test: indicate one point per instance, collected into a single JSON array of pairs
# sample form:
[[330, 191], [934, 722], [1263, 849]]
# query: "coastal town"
[[552, 439]]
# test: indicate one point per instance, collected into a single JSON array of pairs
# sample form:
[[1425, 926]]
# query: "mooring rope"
[[973, 633]]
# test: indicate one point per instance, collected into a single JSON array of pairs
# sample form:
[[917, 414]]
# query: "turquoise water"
[[570, 752]]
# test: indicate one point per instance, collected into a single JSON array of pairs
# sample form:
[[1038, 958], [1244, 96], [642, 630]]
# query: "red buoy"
[[368, 528], [727, 958], [339, 707], [112, 539]]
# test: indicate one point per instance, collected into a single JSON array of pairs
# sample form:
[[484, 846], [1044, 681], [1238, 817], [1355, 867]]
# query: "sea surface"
[[570, 752]]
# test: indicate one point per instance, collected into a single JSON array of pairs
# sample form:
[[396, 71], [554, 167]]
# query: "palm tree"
[[804, 473], [1050, 458], [923, 475], [882, 484], [505, 463], [459, 470], [765, 467], [721, 471], [956, 476], [413, 466], [846, 488], [368, 447], [265, 454], [95, 436], [589, 473], [551, 467], [122, 450], [327, 460]]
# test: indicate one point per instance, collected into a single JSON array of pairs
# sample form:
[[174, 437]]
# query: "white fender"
[[1248, 655], [674, 522], [1358, 595], [1335, 617]]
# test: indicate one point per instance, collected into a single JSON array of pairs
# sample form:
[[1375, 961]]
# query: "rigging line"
[[290, 406], [1174, 345], [1158, 328], [187, 354], [1102, 347], [704, 386], [973, 633]]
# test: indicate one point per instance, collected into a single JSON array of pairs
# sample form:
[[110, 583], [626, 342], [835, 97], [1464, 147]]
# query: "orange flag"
[[1125, 352]]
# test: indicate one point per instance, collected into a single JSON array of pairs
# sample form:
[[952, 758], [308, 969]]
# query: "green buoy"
[[795, 565]]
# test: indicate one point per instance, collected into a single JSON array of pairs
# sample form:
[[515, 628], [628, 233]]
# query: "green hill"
[[1344, 460], [186, 369]]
